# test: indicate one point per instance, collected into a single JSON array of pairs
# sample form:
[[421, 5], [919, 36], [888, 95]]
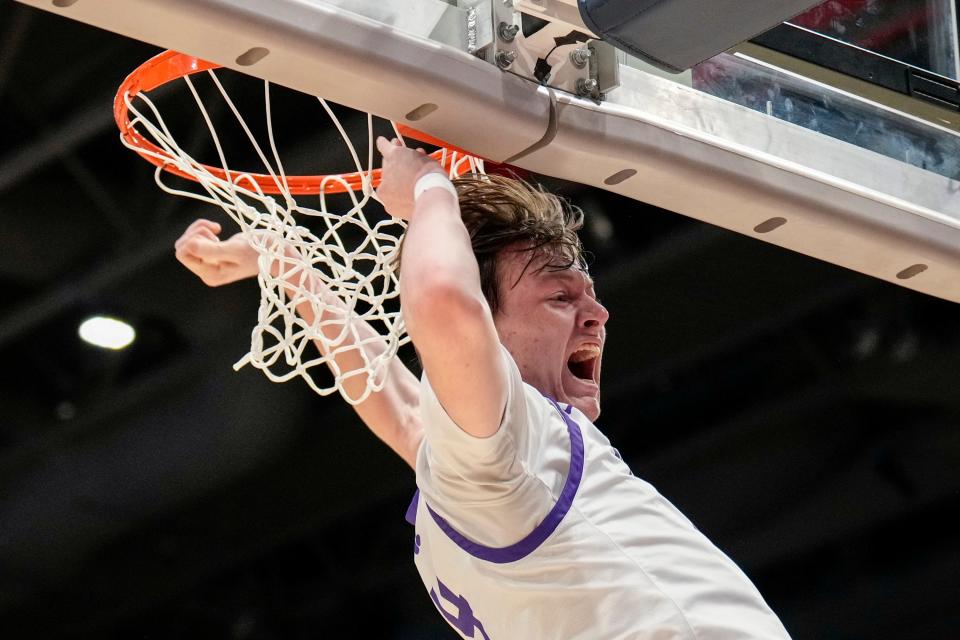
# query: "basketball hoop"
[[349, 282], [170, 65]]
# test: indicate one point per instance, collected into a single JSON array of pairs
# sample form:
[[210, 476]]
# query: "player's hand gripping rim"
[[402, 167]]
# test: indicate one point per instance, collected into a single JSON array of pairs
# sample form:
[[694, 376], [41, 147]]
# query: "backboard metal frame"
[[652, 139], [907, 88]]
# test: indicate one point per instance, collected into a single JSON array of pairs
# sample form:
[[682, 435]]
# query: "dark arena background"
[[805, 417]]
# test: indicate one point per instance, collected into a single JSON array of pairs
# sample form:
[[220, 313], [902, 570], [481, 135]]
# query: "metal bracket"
[[559, 54], [604, 67]]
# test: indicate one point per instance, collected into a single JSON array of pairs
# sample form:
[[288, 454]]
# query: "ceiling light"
[[107, 333]]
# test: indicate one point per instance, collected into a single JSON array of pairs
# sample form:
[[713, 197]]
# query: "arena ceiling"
[[803, 416]]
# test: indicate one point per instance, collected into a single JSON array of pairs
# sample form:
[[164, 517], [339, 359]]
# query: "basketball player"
[[528, 525]]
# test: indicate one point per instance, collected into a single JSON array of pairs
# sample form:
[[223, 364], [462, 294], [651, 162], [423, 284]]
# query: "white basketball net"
[[343, 273]]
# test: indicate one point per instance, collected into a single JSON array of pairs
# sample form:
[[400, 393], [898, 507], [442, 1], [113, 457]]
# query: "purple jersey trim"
[[529, 544], [412, 509]]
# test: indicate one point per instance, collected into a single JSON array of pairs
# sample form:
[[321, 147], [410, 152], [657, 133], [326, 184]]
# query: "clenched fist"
[[215, 261]]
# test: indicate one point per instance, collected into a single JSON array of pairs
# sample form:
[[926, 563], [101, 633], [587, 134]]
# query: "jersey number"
[[464, 622]]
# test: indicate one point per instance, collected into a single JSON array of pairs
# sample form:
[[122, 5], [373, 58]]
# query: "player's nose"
[[595, 315]]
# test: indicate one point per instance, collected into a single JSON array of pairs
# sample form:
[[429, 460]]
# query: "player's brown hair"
[[503, 213]]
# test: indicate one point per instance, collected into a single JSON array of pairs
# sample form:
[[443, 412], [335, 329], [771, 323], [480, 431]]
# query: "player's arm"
[[445, 311], [392, 413]]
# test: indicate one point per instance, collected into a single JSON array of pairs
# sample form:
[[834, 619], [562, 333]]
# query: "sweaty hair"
[[502, 213]]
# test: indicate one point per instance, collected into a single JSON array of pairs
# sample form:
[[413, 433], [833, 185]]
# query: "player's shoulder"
[[542, 406]]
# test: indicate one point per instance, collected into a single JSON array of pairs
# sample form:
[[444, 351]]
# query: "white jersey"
[[542, 532]]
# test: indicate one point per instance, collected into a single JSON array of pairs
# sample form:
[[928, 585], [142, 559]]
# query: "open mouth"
[[582, 362]]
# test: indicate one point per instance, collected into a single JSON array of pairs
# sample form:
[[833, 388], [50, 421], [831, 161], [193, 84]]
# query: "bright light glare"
[[107, 333]]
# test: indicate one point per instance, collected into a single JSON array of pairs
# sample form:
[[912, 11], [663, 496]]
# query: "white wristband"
[[433, 180]]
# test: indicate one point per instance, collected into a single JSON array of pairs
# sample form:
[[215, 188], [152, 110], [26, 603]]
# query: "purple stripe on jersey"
[[412, 509], [529, 544]]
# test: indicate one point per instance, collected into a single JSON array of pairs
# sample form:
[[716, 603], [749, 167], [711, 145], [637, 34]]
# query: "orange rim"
[[170, 65]]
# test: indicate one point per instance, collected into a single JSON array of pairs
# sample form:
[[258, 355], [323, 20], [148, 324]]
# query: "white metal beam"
[[653, 139]]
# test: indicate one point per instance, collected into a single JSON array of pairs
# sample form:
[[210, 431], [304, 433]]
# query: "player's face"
[[553, 325]]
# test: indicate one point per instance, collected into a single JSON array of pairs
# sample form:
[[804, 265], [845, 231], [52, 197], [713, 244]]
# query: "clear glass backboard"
[[920, 33]]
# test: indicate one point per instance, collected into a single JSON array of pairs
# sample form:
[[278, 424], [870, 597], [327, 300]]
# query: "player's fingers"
[[212, 274], [421, 151], [187, 250], [206, 232], [189, 260], [195, 264], [182, 239], [202, 223], [210, 224], [218, 254], [207, 228], [383, 145], [204, 249], [193, 226]]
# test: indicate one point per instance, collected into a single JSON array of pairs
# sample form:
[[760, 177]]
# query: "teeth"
[[585, 352]]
